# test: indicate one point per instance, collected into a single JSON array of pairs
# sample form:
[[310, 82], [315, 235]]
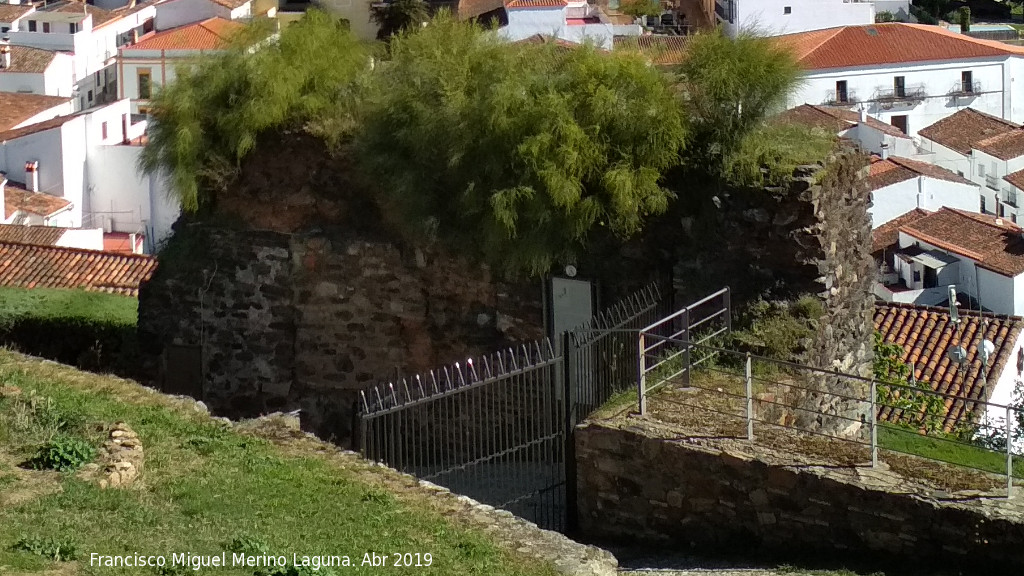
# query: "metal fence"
[[499, 428], [771, 402]]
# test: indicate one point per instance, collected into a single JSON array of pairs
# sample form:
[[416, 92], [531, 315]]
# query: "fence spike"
[[366, 405], [487, 368], [419, 385], [538, 351], [433, 382], [380, 401], [512, 359], [462, 375], [472, 370], [405, 385], [394, 398], [447, 379]]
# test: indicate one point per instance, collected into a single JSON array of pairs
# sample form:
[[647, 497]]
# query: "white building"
[[35, 71], [175, 13], [985, 149], [907, 75], [982, 255], [91, 35], [572, 20], [151, 63], [871, 134], [85, 239], [87, 161], [21, 109], [901, 185], [775, 17]]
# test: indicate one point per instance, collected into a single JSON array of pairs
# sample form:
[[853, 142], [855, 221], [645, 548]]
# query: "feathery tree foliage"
[[729, 87], [206, 121], [395, 16], [517, 153]]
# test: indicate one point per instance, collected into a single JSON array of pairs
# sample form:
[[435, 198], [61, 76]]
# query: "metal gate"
[[499, 429]]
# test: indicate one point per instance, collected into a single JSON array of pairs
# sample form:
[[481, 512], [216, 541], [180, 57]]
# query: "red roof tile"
[[1016, 178], [897, 169], [889, 43], [38, 235], [535, 3], [29, 266], [659, 49], [209, 34], [1005, 146], [11, 12], [835, 118], [16, 198], [16, 107], [926, 335], [886, 237], [29, 60], [997, 247], [38, 127], [963, 129]]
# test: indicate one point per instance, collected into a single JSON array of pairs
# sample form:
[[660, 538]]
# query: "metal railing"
[[908, 94], [992, 182], [1010, 198], [965, 89], [832, 98], [749, 396]]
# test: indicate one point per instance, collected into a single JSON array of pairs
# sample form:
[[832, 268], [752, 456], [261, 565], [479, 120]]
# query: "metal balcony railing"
[[992, 182], [1010, 198], [832, 98], [909, 94], [965, 89]]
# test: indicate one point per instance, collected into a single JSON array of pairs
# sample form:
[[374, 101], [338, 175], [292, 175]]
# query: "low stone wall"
[[639, 481]]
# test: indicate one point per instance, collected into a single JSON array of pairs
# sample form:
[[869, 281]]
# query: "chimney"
[[5, 52], [863, 115], [885, 150], [32, 176], [3, 198], [999, 221]]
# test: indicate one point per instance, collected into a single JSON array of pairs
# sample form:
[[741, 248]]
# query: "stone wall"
[[306, 320], [640, 483]]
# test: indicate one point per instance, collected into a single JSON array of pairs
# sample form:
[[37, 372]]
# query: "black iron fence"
[[499, 428]]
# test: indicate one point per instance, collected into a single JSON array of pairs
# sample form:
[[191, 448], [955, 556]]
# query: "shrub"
[[64, 453], [59, 549]]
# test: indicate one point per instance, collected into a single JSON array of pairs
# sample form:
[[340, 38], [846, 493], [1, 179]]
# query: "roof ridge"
[[995, 137], [926, 308], [977, 218], [85, 251]]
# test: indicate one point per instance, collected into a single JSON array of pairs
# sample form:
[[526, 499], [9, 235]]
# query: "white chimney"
[[885, 150], [5, 52], [999, 221], [32, 176]]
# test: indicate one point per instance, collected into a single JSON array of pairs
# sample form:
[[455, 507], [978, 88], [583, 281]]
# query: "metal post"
[[727, 304], [641, 376], [1009, 452], [874, 423], [571, 416], [686, 347], [750, 401]]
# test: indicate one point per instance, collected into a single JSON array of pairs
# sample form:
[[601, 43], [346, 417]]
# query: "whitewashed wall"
[[181, 12], [938, 78], [769, 16], [357, 12], [87, 238], [893, 201]]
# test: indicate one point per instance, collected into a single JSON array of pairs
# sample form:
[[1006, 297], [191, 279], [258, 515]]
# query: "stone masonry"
[[305, 321], [641, 481]]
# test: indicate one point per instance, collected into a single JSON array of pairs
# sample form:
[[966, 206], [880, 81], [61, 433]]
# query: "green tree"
[[394, 16], [729, 87], [640, 8], [921, 408], [206, 121], [964, 15], [517, 153]]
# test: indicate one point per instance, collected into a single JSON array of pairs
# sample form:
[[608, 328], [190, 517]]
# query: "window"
[[900, 122], [31, 25], [982, 204], [97, 78], [103, 127], [917, 275], [89, 96], [995, 170], [4, 29], [841, 93], [966, 81], [147, 26], [1013, 218], [899, 86], [145, 84], [787, 10], [981, 170], [46, 27], [72, 28]]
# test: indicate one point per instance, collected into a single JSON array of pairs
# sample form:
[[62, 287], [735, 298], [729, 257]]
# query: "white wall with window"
[[174, 13], [1001, 197], [777, 17], [913, 96]]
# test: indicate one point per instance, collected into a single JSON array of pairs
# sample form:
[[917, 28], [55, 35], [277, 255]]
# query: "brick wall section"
[[308, 320], [636, 483]]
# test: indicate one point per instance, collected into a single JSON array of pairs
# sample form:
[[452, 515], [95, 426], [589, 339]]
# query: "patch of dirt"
[[26, 484]]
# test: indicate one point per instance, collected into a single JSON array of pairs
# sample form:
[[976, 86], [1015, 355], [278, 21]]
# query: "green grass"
[[953, 452], [53, 303], [206, 485]]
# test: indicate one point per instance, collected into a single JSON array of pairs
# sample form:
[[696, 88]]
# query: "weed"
[[64, 453], [59, 549], [250, 545]]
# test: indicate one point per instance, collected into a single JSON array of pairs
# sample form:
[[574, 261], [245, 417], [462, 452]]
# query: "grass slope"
[[52, 302], [204, 486]]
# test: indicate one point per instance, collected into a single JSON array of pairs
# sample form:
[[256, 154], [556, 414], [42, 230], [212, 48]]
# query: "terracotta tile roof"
[[30, 266], [839, 119], [997, 247], [99, 15], [1016, 178], [16, 198], [888, 44], [11, 12], [535, 3], [659, 49], [886, 237], [38, 127], [897, 169], [206, 35], [926, 336], [963, 129], [468, 9], [38, 235], [1005, 146], [16, 107], [29, 60]]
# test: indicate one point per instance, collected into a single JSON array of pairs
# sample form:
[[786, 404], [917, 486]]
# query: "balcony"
[[992, 182], [909, 95], [833, 99], [965, 89], [1010, 198]]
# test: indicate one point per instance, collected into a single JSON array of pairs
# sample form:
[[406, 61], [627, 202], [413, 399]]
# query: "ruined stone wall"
[[288, 321], [639, 484]]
